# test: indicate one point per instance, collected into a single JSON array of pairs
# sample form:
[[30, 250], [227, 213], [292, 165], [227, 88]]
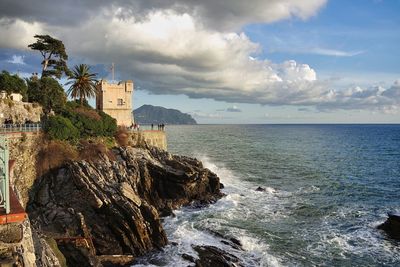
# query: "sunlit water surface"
[[327, 188]]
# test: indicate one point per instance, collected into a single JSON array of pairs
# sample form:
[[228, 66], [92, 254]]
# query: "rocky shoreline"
[[107, 211]]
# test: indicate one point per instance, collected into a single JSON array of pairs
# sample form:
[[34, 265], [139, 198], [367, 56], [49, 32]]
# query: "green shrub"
[[60, 128], [88, 121], [48, 93], [109, 124]]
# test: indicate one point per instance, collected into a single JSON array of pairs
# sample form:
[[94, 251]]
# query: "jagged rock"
[[188, 258], [112, 207], [213, 256], [392, 226], [260, 189]]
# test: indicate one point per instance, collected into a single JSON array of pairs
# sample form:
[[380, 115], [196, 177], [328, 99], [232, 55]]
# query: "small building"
[[115, 99], [13, 96]]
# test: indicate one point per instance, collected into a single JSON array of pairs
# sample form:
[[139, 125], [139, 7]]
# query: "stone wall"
[[151, 138], [19, 112], [16, 244]]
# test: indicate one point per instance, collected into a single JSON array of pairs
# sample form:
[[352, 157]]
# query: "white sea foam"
[[191, 227]]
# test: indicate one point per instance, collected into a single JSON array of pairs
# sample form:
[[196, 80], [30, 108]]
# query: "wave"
[[209, 226]]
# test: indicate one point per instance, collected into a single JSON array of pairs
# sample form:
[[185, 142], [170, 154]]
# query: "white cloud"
[[16, 59], [333, 52], [205, 115], [16, 33], [233, 109], [223, 15], [176, 47]]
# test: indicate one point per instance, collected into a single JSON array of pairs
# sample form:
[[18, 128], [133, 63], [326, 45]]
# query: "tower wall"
[[115, 99]]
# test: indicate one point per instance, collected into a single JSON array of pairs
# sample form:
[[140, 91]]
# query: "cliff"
[[94, 211], [19, 112], [148, 114]]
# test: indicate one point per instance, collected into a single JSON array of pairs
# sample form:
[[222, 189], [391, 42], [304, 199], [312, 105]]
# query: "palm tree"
[[83, 83]]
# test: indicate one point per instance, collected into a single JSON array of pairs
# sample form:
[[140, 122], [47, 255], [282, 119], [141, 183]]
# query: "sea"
[[327, 188]]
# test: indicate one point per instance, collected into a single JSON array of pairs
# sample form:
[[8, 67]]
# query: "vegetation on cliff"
[[13, 84], [47, 92]]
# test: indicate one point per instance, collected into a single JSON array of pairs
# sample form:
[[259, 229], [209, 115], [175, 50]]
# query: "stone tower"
[[115, 99]]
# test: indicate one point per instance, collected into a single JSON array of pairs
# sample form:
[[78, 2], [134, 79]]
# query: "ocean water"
[[327, 188]]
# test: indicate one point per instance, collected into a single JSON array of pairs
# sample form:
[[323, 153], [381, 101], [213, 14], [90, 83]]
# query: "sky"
[[227, 61]]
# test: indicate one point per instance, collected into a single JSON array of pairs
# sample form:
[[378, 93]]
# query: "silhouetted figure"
[[152, 127]]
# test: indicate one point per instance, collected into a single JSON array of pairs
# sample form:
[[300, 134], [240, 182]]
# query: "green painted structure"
[[4, 175]]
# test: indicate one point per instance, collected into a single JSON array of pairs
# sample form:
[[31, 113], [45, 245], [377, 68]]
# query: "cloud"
[[205, 115], [16, 60], [17, 33], [233, 109], [189, 47], [337, 53], [224, 15]]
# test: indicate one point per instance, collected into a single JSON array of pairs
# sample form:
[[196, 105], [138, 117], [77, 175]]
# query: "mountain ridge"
[[148, 114]]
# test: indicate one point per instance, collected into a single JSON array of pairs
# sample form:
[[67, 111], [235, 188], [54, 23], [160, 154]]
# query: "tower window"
[[120, 102]]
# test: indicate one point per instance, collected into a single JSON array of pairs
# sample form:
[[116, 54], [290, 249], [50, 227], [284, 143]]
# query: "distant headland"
[[148, 114]]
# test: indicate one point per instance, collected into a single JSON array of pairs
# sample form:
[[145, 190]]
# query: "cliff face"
[[23, 152], [19, 112], [113, 206]]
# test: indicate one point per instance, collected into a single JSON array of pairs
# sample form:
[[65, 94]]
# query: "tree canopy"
[[82, 83], [48, 93], [12, 84], [54, 56]]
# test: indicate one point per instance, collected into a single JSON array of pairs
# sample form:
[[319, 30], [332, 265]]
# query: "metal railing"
[[145, 127], [26, 127], [4, 178]]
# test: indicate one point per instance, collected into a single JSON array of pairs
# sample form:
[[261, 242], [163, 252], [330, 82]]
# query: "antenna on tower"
[[113, 70]]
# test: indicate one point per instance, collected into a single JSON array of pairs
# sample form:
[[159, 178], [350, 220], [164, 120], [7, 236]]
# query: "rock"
[[16, 245], [213, 256], [19, 112], [116, 204], [11, 233], [236, 241], [260, 189], [187, 257], [127, 191], [392, 226]]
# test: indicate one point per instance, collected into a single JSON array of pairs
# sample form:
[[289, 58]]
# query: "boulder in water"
[[216, 257], [260, 189], [392, 226]]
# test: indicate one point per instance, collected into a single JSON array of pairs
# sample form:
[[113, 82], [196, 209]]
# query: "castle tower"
[[115, 99]]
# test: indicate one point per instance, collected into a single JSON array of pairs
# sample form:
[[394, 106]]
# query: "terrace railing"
[[26, 127]]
